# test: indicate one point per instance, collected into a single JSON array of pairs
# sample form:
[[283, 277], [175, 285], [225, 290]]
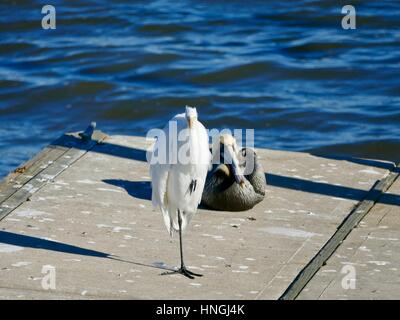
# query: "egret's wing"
[[159, 182], [159, 171], [159, 179], [159, 168]]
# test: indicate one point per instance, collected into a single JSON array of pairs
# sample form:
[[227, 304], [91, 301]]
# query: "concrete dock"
[[372, 250], [82, 210]]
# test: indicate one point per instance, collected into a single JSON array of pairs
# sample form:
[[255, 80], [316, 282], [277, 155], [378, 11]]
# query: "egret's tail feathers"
[[171, 220], [170, 223], [173, 226], [186, 217]]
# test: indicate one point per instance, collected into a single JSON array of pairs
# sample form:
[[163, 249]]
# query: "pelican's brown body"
[[222, 192]]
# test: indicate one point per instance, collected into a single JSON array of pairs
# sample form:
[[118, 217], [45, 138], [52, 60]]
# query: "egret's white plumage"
[[178, 183]]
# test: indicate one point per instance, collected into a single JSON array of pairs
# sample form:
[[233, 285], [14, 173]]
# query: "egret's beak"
[[237, 171]]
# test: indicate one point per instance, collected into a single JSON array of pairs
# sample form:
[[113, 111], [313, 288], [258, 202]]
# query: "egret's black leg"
[[180, 237], [183, 270]]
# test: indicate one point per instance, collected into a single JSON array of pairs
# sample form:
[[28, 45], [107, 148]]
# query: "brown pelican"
[[229, 187]]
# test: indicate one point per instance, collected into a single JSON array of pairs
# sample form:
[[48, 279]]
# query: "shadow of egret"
[[25, 241], [136, 189]]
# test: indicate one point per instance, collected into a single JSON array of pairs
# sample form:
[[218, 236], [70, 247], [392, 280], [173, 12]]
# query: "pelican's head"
[[229, 154], [191, 116]]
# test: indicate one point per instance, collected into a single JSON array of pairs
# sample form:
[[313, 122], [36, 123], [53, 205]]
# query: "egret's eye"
[[243, 152]]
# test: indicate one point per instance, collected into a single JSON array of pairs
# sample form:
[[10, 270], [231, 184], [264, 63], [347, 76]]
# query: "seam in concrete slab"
[[280, 270], [347, 225], [27, 171], [334, 278], [41, 165], [363, 241]]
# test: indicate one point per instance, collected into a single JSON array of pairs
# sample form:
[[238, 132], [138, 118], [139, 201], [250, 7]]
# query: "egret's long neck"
[[194, 144]]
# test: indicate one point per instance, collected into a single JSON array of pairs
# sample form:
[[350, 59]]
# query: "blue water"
[[286, 69]]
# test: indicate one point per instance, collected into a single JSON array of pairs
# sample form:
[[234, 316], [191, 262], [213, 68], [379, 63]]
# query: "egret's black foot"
[[184, 271], [192, 273]]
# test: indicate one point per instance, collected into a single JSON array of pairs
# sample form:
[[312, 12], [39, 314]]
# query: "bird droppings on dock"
[[329, 271], [12, 219], [195, 284], [369, 171], [86, 181], [46, 220], [72, 260], [21, 264], [31, 213], [109, 190], [289, 232], [379, 263]]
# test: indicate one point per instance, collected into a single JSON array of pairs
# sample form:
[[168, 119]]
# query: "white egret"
[[178, 179]]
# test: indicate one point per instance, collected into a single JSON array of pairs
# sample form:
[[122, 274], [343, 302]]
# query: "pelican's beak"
[[237, 171]]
